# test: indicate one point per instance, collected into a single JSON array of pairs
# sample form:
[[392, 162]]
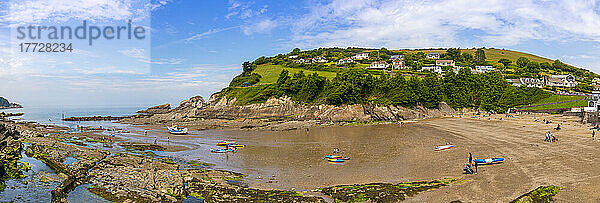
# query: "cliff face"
[[286, 109]]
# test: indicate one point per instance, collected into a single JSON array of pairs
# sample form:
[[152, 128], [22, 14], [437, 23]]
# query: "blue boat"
[[222, 150], [489, 160], [336, 160]]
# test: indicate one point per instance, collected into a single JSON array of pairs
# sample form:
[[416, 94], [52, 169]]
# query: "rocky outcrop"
[[284, 109], [164, 108]]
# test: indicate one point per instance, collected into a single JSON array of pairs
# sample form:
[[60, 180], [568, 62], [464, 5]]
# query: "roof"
[[444, 61], [433, 53]]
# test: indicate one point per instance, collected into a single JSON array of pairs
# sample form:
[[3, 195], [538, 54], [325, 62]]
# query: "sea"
[[54, 114]]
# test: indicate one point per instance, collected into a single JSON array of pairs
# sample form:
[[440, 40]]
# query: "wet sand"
[[393, 153]]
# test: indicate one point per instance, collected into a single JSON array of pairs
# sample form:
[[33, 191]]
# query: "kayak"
[[440, 148], [331, 156], [336, 160], [489, 160], [221, 150], [237, 145], [225, 143]]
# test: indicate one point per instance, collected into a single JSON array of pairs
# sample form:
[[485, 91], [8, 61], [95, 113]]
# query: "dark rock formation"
[[4, 104], [95, 118]]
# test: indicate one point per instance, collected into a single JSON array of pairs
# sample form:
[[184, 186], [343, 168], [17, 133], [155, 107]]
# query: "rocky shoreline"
[[276, 114]]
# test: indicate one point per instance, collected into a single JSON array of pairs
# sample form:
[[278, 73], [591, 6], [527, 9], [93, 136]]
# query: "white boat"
[[176, 130]]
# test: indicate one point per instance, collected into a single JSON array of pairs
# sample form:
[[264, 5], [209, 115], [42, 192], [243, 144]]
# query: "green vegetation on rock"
[[541, 194], [383, 192]]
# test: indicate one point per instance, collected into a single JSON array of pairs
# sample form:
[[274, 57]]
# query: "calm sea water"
[[54, 114]]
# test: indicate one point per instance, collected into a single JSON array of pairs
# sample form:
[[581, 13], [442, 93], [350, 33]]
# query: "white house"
[[360, 56], [380, 65], [561, 81], [345, 60], [293, 56], [432, 55], [484, 69], [444, 63], [401, 57], [302, 61], [435, 69], [320, 59]]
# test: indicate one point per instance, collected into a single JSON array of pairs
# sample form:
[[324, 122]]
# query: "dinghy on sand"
[[440, 148], [176, 130]]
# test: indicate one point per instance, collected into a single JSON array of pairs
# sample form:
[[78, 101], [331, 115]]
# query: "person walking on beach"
[[476, 166], [470, 158], [593, 134]]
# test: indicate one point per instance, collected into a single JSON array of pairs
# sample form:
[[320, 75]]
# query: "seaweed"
[[540, 194], [382, 192]]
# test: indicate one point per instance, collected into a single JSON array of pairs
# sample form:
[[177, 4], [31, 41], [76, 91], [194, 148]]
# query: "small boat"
[[489, 160], [345, 158], [331, 156], [176, 130], [440, 148], [222, 150], [336, 160]]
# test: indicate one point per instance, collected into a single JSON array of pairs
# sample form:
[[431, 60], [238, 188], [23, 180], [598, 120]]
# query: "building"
[[561, 81], [532, 82], [398, 63], [401, 57], [484, 69], [596, 83], [593, 102], [444, 63], [432, 55], [320, 59], [435, 69], [293, 56], [345, 60], [302, 61], [379, 65], [361, 56]]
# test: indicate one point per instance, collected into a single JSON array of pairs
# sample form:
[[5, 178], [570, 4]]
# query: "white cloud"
[[244, 10], [141, 55], [416, 24], [35, 11], [263, 26]]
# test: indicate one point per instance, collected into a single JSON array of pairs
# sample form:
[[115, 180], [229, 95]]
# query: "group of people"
[[472, 164], [550, 137]]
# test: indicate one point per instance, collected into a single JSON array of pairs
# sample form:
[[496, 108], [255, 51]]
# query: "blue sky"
[[195, 47]]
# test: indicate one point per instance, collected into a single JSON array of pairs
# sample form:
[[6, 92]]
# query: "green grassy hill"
[[559, 98], [269, 73], [492, 54]]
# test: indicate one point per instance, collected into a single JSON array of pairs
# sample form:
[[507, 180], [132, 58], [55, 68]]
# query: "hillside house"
[[444, 63], [398, 63], [293, 56], [561, 81], [378, 65], [435, 69], [432, 55], [360, 56], [529, 82], [401, 57], [483, 69], [596, 83], [320, 59], [302, 61], [345, 60]]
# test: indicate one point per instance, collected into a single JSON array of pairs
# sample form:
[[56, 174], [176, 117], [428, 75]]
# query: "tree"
[[453, 53], [480, 56], [522, 62], [467, 57], [504, 61], [295, 51]]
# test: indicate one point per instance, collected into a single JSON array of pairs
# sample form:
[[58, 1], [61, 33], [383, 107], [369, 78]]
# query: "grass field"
[[270, 73], [559, 98], [494, 54]]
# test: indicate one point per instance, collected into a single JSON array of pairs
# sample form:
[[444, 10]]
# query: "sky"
[[195, 47]]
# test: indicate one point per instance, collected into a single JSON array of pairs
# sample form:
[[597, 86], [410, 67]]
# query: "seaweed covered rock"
[[10, 153]]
